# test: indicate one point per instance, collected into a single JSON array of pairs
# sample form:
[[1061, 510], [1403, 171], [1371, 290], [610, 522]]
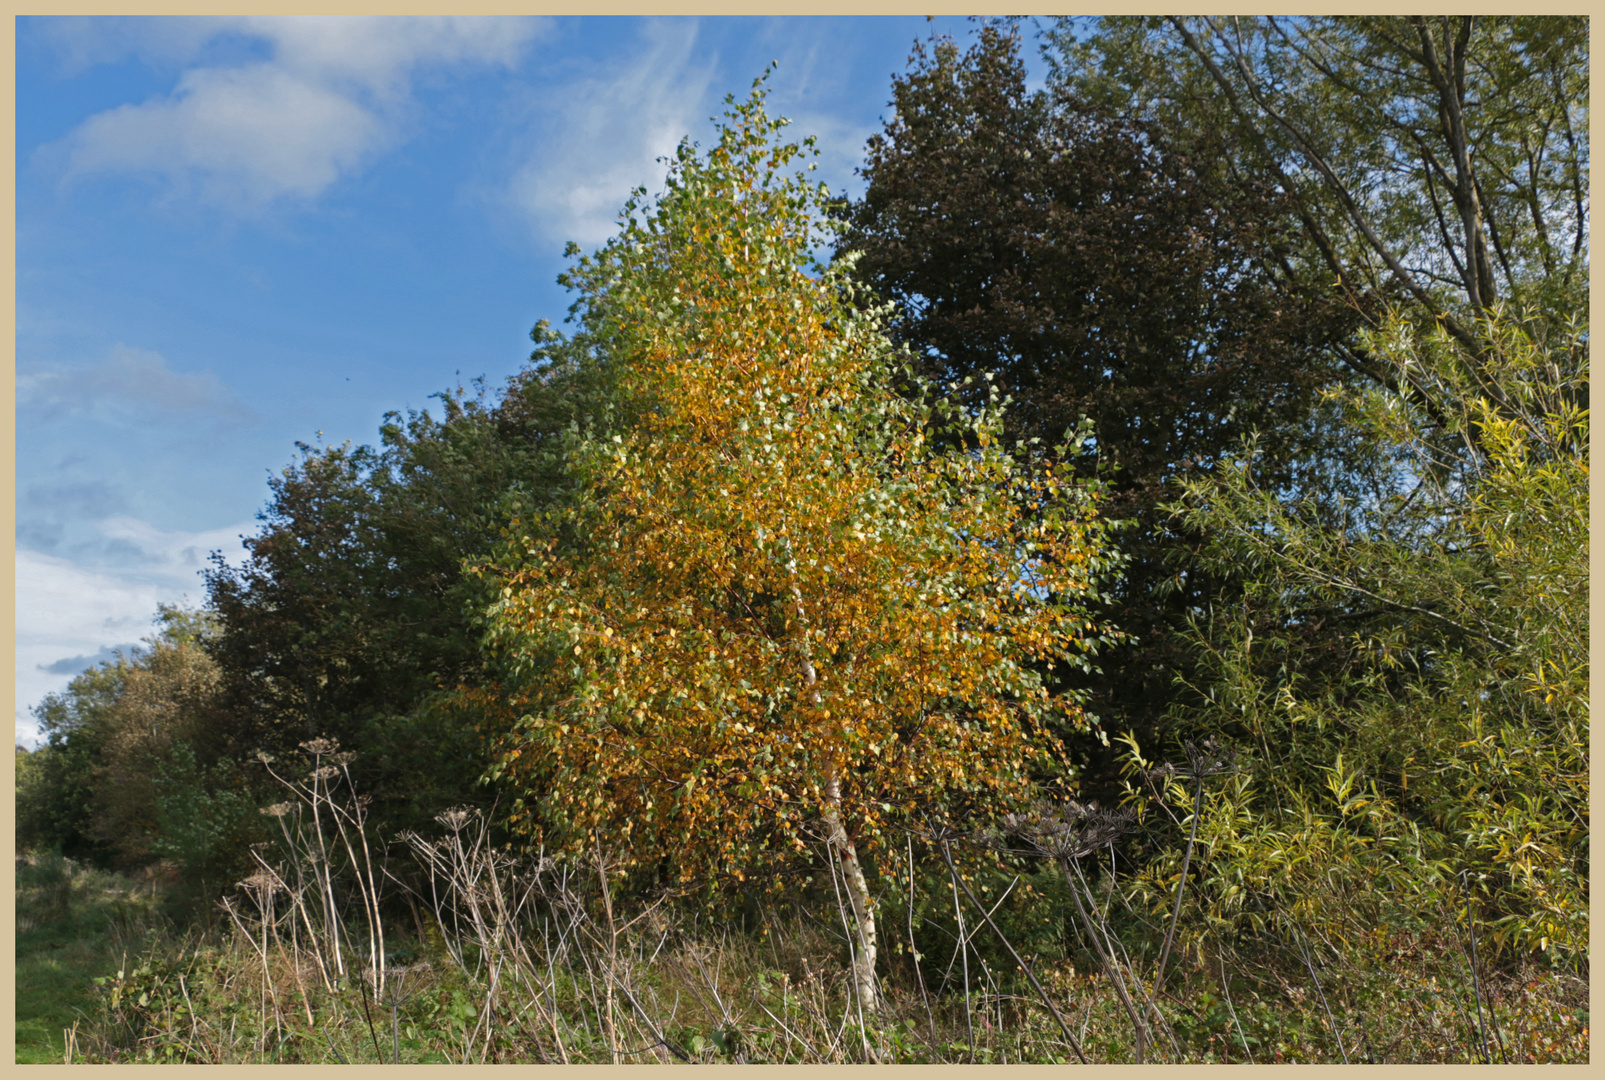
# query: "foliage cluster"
[[135, 769], [352, 615], [1438, 161], [1445, 758], [1104, 267], [1189, 233], [858, 610], [1359, 586]]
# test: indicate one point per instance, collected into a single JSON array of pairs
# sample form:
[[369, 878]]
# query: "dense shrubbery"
[[136, 768], [505, 959], [1439, 770]]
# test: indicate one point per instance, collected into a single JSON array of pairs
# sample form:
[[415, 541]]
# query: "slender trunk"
[[1354, 211], [840, 842], [1448, 76], [857, 894]]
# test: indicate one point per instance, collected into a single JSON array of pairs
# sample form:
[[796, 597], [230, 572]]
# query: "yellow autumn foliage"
[[783, 594]]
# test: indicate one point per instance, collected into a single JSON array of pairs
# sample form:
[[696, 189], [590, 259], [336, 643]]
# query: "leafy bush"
[[1436, 773]]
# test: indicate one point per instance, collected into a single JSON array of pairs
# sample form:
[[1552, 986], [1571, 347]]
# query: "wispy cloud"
[[177, 555], [334, 94], [811, 85], [601, 135], [130, 384], [72, 665], [88, 498], [81, 42], [71, 614]]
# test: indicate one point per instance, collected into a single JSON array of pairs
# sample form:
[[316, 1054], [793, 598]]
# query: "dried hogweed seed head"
[[262, 882]]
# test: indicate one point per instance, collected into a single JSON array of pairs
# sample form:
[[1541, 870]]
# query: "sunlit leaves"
[[773, 587], [1453, 738]]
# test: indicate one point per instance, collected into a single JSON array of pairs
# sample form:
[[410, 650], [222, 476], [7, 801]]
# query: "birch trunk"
[[841, 844], [858, 894]]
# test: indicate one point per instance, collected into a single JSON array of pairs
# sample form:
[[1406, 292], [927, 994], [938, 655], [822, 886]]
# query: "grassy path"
[[70, 925]]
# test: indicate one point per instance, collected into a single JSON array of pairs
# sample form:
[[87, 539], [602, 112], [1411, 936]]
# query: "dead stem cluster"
[[546, 960]]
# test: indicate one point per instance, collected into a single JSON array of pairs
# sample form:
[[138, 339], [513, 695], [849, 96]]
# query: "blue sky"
[[237, 233]]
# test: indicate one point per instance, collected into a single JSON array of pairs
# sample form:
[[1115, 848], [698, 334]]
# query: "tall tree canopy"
[[351, 616], [1406, 664], [776, 607], [1186, 234], [1101, 269], [1439, 161]]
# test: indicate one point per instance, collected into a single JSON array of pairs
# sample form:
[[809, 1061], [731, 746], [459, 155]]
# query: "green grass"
[[72, 926], [169, 991]]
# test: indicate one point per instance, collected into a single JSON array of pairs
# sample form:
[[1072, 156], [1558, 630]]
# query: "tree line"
[[1227, 391]]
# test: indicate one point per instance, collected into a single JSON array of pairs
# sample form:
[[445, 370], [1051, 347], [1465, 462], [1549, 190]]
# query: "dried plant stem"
[[1476, 987], [1309, 965], [373, 1033], [1181, 884], [1110, 966], [914, 952], [963, 948], [1075, 1044], [1227, 991]]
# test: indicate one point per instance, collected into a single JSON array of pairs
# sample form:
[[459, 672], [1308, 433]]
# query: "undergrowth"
[[448, 949]]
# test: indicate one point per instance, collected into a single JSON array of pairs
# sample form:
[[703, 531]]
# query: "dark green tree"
[[1441, 161], [351, 615], [99, 789], [1405, 666], [55, 796], [1101, 269]]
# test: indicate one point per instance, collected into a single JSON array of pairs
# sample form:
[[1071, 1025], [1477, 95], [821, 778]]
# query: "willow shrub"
[[1408, 684]]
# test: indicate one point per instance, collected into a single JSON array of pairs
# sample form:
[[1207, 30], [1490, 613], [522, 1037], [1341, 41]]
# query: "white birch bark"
[[840, 843]]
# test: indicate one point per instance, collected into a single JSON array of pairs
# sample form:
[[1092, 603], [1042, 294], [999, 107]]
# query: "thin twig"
[[1309, 965], [1181, 885], [1075, 1044]]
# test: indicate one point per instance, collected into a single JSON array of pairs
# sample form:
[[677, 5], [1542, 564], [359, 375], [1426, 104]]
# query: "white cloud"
[[247, 135], [335, 94], [605, 133], [66, 609], [128, 383], [83, 41], [175, 556], [380, 53], [598, 137]]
